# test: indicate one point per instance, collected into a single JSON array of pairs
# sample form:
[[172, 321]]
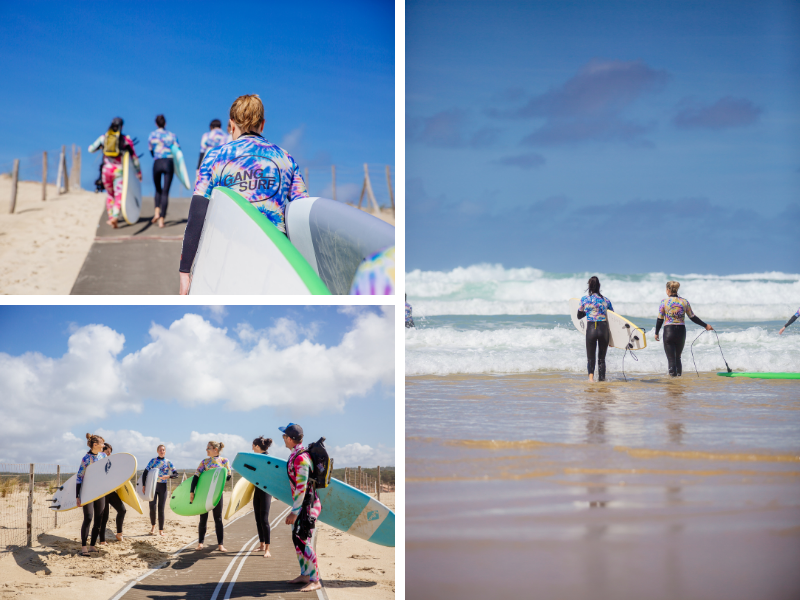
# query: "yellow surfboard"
[[241, 497], [127, 493]]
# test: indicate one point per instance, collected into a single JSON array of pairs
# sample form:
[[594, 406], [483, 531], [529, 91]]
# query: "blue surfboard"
[[343, 506]]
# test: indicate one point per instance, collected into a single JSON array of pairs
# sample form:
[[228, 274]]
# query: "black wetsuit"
[[597, 337], [92, 512], [159, 499], [674, 341], [114, 500], [165, 167], [216, 512], [261, 504]]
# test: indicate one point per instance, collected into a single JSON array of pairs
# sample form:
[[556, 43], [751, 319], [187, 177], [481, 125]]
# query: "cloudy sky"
[[141, 376], [615, 136]]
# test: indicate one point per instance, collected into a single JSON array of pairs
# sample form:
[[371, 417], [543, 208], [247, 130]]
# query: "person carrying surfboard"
[[263, 173], [214, 461], [159, 143], [790, 321], [114, 144], [306, 507], [92, 512], [671, 314], [262, 501], [162, 471], [114, 500], [212, 139], [594, 307]]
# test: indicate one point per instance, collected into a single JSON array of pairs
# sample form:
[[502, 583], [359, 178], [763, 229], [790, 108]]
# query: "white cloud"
[[362, 455], [285, 332], [217, 313], [292, 141]]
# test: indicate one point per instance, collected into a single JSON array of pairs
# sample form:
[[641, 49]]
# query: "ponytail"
[[92, 439], [594, 286], [263, 443]]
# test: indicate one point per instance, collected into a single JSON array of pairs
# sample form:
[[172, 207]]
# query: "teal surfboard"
[[343, 506], [180, 165], [762, 375], [206, 496]]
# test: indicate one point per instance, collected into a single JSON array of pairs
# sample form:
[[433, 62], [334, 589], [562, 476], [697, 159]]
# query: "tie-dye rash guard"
[[213, 462], [213, 139], [595, 308], [263, 173], [159, 143], [85, 462], [674, 310], [163, 467], [375, 276]]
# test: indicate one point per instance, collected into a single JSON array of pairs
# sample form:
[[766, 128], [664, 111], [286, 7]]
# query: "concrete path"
[[136, 259], [211, 575]]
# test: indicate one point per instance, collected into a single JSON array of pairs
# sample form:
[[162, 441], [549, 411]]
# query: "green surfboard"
[[206, 496], [763, 375]]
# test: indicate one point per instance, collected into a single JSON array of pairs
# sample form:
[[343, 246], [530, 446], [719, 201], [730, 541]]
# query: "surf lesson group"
[[206, 486], [242, 193]]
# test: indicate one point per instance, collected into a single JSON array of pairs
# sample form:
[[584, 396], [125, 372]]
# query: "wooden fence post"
[[333, 179], [14, 180], [30, 508], [359, 477], [66, 174], [58, 485], [389, 183], [44, 176], [76, 178], [379, 483], [367, 187]]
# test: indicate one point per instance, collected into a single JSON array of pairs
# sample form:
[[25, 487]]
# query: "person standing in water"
[[409, 316], [214, 461], [161, 470], [671, 314], [114, 145], [305, 511], [93, 511], [114, 500], [160, 143], [790, 321], [594, 306], [212, 139], [264, 174], [262, 501]]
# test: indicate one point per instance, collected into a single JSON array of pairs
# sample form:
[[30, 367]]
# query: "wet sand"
[[656, 488]]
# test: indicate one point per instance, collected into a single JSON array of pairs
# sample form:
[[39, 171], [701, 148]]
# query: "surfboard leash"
[[628, 348], [718, 345]]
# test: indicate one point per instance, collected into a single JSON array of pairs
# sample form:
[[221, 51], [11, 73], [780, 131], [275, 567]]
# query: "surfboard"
[[343, 506], [131, 191], [242, 252], [240, 497], [622, 331], [180, 166], [207, 495], [127, 493], [100, 478], [335, 238], [150, 491], [762, 375]]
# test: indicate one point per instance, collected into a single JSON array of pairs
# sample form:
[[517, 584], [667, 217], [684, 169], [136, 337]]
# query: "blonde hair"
[[216, 445], [92, 439], [672, 287], [247, 112]]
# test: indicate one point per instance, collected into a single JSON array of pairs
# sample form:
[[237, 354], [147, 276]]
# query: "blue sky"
[[159, 373], [581, 136], [325, 73]]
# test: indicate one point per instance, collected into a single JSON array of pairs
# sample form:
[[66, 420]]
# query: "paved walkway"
[[211, 575], [136, 259]]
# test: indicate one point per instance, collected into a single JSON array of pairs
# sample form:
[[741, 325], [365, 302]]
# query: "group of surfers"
[[265, 174], [159, 470]]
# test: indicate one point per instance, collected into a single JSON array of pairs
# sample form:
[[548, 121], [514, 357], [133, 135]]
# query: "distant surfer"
[[162, 471], [671, 313], [262, 501], [790, 321], [305, 510], [375, 275], [594, 306], [214, 138], [114, 500], [264, 174], [409, 316], [214, 461], [93, 511], [114, 145], [160, 143]]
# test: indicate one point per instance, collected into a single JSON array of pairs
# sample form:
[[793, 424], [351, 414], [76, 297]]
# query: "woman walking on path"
[[93, 511], [214, 461], [790, 321], [262, 501], [671, 313], [159, 144], [114, 500], [594, 306], [161, 470], [114, 145], [212, 139]]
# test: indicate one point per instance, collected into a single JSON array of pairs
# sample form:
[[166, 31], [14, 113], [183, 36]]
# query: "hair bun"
[[88, 436]]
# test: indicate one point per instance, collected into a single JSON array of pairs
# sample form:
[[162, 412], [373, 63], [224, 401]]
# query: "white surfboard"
[[622, 331], [242, 252], [100, 478], [131, 191], [150, 492]]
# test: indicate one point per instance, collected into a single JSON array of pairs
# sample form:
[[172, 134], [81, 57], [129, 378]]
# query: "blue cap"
[[293, 431]]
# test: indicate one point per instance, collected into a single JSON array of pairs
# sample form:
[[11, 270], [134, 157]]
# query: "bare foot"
[[158, 215], [314, 585], [221, 548], [591, 378], [93, 549], [161, 533], [104, 543], [153, 530], [301, 579], [266, 553], [161, 222], [120, 538], [200, 546]]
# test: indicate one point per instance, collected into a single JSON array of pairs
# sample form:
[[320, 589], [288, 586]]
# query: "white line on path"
[[230, 566]]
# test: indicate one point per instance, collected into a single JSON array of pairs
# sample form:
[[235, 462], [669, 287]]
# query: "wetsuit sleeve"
[[98, 143], [581, 314], [696, 319], [144, 476], [194, 227], [790, 321], [200, 160], [78, 490], [303, 469], [659, 323], [193, 485], [150, 145]]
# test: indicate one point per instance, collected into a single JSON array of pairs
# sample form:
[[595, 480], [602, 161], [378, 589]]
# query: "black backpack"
[[322, 464]]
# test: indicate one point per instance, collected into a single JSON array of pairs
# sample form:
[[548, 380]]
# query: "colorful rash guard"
[[111, 175], [85, 462], [674, 310], [298, 467], [213, 462], [409, 317], [375, 276], [163, 467], [595, 308], [261, 172], [159, 143], [213, 139]]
